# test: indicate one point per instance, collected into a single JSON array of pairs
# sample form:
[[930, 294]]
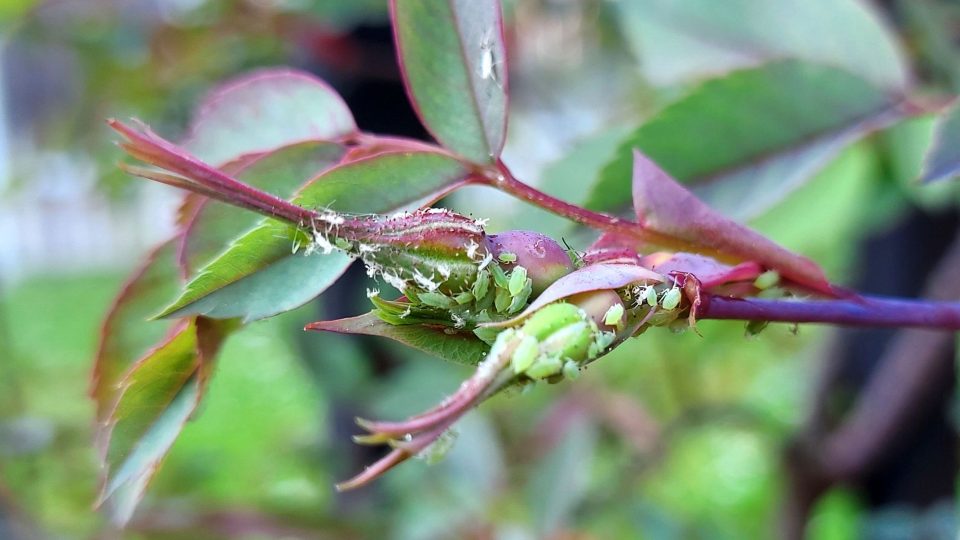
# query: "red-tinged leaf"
[[265, 110], [454, 63], [589, 278], [126, 334], [460, 347], [157, 396], [664, 206], [373, 145], [942, 161], [259, 275], [281, 172], [709, 272]]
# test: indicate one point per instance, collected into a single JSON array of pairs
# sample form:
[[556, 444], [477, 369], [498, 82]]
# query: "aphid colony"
[[451, 274]]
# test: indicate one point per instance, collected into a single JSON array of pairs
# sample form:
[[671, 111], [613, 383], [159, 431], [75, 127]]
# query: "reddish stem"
[[502, 179], [863, 311]]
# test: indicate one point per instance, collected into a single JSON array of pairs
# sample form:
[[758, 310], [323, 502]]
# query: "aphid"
[[520, 299], [425, 282], [394, 280], [767, 279], [551, 318], [485, 262], [671, 298], [502, 300], [525, 354], [500, 277], [464, 298], [601, 341], [481, 285], [488, 63], [545, 367], [322, 243], [507, 257], [439, 448], [571, 370], [650, 295], [614, 315], [472, 248], [437, 300], [518, 279]]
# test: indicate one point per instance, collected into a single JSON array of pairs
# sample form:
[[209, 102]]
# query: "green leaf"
[[259, 275], [280, 173], [127, 334], [454, 64], [942, 161], [750, 125], [460, 347], [157, 397], [677, 41], [265, 110]]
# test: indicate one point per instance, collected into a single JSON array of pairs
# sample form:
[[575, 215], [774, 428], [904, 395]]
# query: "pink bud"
[[543, 258]]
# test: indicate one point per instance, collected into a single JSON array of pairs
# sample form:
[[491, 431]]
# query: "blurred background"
[[672, 436]]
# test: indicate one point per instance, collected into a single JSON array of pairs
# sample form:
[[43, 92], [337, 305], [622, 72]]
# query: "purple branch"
[[864, 311]]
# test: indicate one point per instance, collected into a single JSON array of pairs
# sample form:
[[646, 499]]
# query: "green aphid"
[[481, 285], [437, 300], [614, 315], [570, 342], [520, 299], [439, 448], [501, 342], [507, 257], [343, 244], [601, 341], [412, 295], [545, 367], [525, 354], [767, 279], [753, 328], [499, 277], [486, 334], [464, 298], [571, 370], [518, 279], [502, 300], [772, 292], [551, 318], [671, 299], [650, 295]]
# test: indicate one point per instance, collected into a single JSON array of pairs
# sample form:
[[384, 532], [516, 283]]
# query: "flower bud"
[[597, 304], [545, 260]]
